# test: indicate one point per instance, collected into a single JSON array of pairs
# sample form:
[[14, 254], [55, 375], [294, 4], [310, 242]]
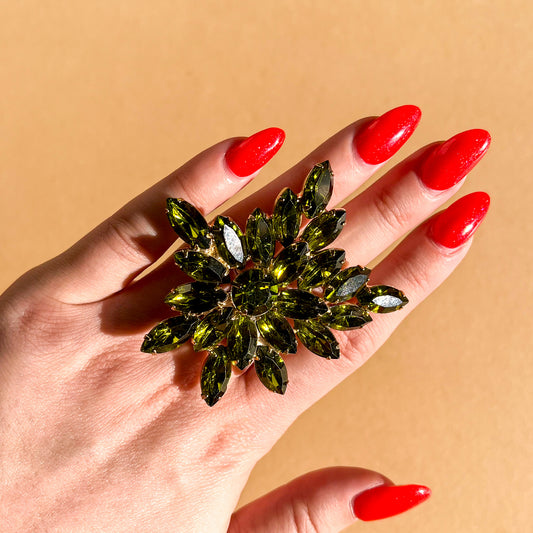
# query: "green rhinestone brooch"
[[256, 293]]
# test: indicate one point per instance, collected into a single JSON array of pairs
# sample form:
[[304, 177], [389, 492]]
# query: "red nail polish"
[[383, 137], [388, 500], [247, 156], [455, 225], [450, 162]]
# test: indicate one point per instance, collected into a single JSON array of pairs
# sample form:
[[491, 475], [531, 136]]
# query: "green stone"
[[200, 266], [277, 332], [295, 303], [324, 229], [289, 263], [271, 370], [260, 239], [346, 284], [346, 316], [229, 240], [169, 334], [212, 328], [196, 297], [317, 190], [382, 299], [251, 293], [242, 341], [321, 267], [215, 375], [287, 217], [188, 222], [317, 338]]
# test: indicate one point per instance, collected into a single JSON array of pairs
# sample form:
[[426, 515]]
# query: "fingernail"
[[388, 500], [450, 162], [455, 225], [248, 156], [383, 137]]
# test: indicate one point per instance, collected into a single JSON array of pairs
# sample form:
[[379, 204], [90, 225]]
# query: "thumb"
[[325, 501]]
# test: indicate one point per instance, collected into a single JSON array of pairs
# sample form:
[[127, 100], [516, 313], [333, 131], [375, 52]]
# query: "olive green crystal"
[[188, 222], [289, 262], [196, 297], [215, 375], [320, 267], [260, 239], [346, 316], [295, 303], [382, 299], [211, 329], [200, 266], [229, 241], [251, 292], [277, 331], [242, 341], [287, 217], [317, 338], [346, 284], [317, 190], [271, 370], [169, 334], [324, 229]]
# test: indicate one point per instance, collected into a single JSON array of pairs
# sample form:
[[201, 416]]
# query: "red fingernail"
[[388, 500], [455, 225], [383, 137], [247, 156], [450, 162]]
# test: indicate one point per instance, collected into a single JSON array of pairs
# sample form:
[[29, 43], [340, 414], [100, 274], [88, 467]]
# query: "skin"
[[97, 436]]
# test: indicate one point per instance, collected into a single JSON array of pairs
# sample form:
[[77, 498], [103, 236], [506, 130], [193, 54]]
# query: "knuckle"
[[390, 211], [303, 518], [357, 346], [119, 234]]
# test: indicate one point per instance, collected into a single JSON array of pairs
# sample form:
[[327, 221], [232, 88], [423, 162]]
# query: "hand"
[[99, 436]]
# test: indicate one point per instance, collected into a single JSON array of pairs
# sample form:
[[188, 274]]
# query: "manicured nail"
[[247, 156], [383, 137], [455, 225], [388, 500], [450, 162]]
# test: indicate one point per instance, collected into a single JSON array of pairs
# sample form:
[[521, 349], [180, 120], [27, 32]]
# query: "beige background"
[[101, 98]]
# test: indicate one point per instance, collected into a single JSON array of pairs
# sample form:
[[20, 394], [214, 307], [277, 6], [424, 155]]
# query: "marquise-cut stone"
[[212, 328], [317, 190], [271, 370], [382, 299], [229, 241], [200, 266], [242, 341], [216, 373], [321, 267], [277, 332], [260, 239], [317, 338], [169, 334], [288, 264], [197, 297], [251, 292], [188, 222], [324, 229], [287, 217], [295, 303], [346, 284], [346, 316]]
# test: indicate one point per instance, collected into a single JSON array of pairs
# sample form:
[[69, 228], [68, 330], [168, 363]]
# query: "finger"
[[327, 501], [408, 194], [106, 259], [417, 266]]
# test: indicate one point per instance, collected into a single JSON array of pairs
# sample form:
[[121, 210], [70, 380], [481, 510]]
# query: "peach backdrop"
[[101, 98]]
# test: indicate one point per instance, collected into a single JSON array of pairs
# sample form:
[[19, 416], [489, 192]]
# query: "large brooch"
[[257, 293]]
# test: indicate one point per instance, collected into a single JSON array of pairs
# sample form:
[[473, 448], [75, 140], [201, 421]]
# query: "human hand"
[[99, 436]]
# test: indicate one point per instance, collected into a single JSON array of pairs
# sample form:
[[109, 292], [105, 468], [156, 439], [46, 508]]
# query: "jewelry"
[[244, 289]]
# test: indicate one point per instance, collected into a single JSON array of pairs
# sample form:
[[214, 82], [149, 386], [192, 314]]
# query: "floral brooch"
[[257, 293]]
